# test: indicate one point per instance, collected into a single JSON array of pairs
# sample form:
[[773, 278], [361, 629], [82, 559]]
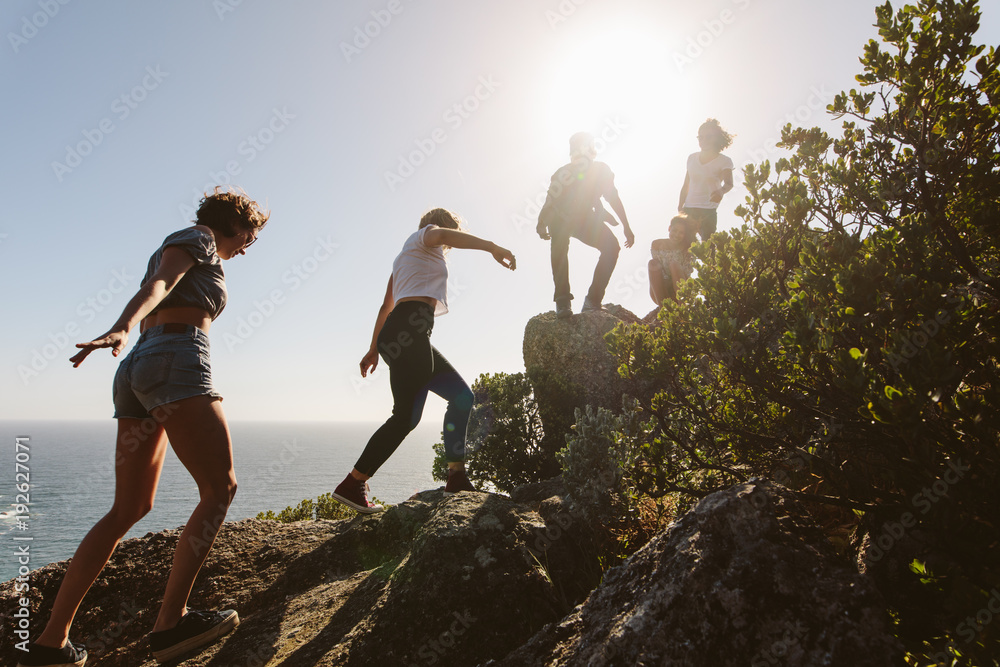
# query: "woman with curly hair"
[[709, 177], [417, 293], [163, 392]]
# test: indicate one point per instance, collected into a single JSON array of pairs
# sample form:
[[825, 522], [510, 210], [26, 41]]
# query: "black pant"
[[415, 368], [591, 230]]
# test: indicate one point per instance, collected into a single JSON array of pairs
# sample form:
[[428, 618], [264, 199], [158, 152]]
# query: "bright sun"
[[624, 87]]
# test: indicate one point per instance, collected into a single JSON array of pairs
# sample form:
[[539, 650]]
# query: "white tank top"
[[421, 270], [704, 179]]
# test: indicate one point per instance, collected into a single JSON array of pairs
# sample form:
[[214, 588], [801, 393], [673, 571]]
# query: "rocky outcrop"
[[745, 578], [569, 365], [444, 580]]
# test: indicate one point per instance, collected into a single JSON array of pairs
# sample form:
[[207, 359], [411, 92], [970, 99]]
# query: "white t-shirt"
[[421, 270], [704, 179]]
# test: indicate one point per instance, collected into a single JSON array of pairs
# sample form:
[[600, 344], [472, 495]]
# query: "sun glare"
[[624, 88]]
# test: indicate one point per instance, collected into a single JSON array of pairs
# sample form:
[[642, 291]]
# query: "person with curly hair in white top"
[[709, 177]]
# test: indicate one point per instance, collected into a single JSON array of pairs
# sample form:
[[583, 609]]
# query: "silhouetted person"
[[573, 208], [709, 177], [672, 261]]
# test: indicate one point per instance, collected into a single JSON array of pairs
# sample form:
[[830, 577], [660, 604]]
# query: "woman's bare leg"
[[200, 437], [657, 288], [141, 446]]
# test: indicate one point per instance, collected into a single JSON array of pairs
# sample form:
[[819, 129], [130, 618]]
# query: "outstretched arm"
[[174, 264], [370, 360], [458, 239], [684, 193]]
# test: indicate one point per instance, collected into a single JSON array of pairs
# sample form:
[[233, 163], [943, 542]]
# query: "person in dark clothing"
[[573, 208], [416, 294]]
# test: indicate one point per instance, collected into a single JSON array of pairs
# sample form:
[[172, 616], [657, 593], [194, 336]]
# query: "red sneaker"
[[354, 493]]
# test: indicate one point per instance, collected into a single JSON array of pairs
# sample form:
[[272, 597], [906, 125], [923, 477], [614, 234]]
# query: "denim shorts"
[[703, 221], [163, 367]]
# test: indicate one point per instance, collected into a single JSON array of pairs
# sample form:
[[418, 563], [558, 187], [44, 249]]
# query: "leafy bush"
[[844, 340], [506, 444], [599, 452], [324, 507]]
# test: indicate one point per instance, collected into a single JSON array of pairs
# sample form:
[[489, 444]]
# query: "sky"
[[349, 120]]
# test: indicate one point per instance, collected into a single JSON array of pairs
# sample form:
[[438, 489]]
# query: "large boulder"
[[745, 578], [569, 366]]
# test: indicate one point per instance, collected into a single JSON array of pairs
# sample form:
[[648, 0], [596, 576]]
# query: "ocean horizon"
[[71, 475]]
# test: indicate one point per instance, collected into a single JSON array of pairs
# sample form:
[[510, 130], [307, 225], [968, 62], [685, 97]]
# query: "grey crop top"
[[204, 284]]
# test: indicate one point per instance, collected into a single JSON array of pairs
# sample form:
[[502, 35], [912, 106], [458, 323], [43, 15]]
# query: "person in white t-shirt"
[[417, 293], [709, 177]]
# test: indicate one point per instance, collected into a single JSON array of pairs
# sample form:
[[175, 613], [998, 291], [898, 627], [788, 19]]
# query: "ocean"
[[71, 469]]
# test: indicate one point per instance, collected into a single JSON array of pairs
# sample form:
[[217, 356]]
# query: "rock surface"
[[569, 365], [445, 580], [745, 578]]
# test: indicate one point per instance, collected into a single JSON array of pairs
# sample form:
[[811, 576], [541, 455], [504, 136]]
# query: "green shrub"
[[599, 453], [324, 507], [506, 445], [844, 339]]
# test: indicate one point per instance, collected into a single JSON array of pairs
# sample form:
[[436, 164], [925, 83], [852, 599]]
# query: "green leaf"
[[856, 353]]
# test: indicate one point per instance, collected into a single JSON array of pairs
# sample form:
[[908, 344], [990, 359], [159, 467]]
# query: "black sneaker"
[[564, 310], [195, 629], [591, 307], [70, 655], [458, 481]]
